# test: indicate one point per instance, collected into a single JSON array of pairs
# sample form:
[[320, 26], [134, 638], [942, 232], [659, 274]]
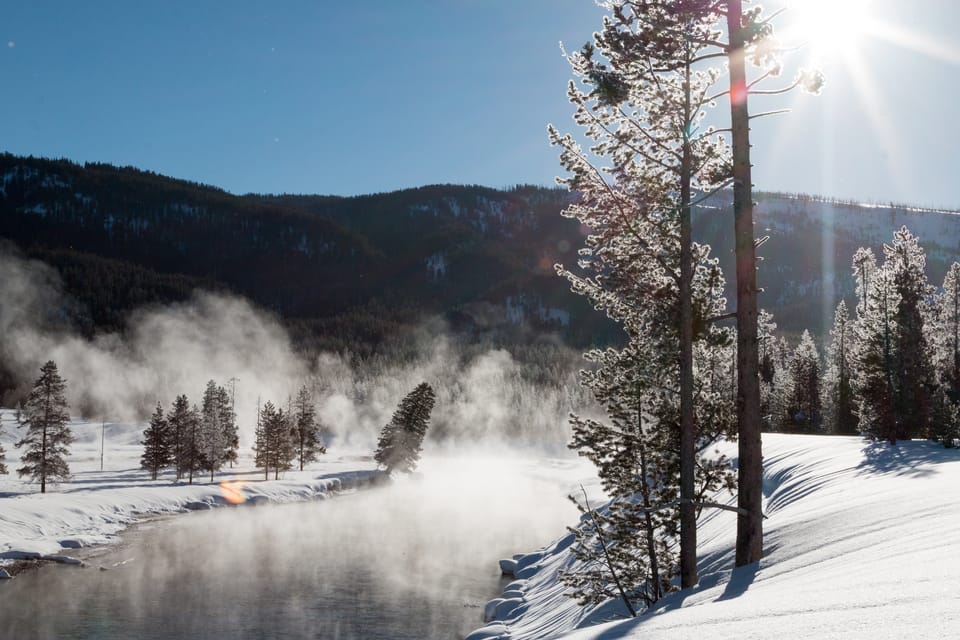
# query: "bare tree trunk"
[[750, 481], [688, 434]]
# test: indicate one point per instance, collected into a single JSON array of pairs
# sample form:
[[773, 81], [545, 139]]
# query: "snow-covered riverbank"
[[94, 506], [862, 540]]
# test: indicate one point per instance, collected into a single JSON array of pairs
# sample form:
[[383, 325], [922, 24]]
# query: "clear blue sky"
[[356, 97]]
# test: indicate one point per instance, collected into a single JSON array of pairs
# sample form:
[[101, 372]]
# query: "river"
[[417, 559]]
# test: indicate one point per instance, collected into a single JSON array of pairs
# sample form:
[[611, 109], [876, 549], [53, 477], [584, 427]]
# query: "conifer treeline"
[[192, 439], [892, 370]]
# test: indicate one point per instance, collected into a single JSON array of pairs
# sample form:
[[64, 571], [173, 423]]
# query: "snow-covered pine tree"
[[306, 428], [944, 339], [401, 439], [946, 333], [228, 419], [280, 443], [274, 447], [179, 423], [875, 333], [804, 409], [46, 418], [839, 403], [157, 452], [213, 444], [914, 369], [646, 88], [260, 457]]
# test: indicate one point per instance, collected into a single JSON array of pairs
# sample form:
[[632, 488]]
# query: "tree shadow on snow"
[[906, 458], [740, 581]]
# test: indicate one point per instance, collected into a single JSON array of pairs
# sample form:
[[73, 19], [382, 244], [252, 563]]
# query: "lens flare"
[[233, 491]]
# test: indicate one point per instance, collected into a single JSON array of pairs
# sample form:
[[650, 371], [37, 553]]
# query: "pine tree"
[[874, 357], [946, 334], [274, 445], [306, 429], [839, 404], [228, 420], [260, 440], [213, 432], [179, 424], [804, 409], [895, 362], [157, 452], [48, 434], [914, 370], [643, 111], [401, 439]]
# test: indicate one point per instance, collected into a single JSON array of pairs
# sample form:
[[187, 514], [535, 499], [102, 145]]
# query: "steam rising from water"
[[168, 351], [416, 559]]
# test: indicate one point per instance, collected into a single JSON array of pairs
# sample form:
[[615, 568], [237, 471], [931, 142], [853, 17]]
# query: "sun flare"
[[828, 28]]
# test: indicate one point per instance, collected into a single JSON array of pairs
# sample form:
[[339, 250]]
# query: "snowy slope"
[[861, 540]]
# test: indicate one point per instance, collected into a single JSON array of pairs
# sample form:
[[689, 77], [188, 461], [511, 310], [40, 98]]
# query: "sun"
[[827, 28]]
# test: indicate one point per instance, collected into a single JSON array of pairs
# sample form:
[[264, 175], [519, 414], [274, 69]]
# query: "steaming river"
[[417, 559]]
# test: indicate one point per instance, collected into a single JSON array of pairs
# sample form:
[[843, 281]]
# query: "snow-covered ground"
[[862, 540], [94, 505]]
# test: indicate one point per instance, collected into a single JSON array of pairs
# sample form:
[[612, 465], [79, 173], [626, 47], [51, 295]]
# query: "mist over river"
[[416, 559]]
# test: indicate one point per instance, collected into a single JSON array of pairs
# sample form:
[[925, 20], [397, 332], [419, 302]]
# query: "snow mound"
[[861, 539]]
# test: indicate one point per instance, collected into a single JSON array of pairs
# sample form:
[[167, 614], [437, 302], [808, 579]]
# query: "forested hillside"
[[355, 271]]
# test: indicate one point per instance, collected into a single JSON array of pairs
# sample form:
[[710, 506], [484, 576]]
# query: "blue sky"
[[358, 97]]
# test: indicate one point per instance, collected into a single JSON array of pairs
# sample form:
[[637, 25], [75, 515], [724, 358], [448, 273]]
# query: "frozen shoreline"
[[850, 524]]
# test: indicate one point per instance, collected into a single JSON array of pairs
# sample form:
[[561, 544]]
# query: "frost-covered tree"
[[839, 402], [184, 423], [47, 420], [228, 420], [946, 333], [646, 86], [157, 452], [401, 439], [274, 445], [914, 368], [306, 428], [895, 372], [213, 428], [804, 408]]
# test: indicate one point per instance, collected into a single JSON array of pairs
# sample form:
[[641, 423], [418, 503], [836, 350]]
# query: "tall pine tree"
[[157, 452], [401, 439], [839, 402], [46, 418], [306, 428]]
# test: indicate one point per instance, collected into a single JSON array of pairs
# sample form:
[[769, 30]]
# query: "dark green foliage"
[[47, 421], [401, 439], [157, 452]]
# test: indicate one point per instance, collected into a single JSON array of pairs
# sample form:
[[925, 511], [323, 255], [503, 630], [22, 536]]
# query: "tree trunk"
[[688, 434], [750, 480]]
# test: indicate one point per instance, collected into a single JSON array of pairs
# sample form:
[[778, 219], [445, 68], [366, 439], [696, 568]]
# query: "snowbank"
[[93, 506], [861, 539]]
